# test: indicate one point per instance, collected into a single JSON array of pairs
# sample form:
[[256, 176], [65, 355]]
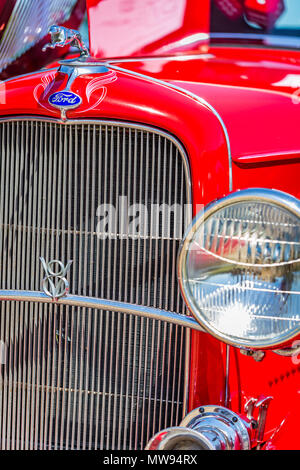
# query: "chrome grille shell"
[[53, 176]]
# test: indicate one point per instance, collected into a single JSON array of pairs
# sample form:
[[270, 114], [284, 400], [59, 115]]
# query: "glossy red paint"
[[274, 376], [252, 96], [147, 28], [207, 371], [261, 117], [139, 100]]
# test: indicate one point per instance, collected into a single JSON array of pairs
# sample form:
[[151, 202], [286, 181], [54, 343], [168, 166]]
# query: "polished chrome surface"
[[83, 374], [55, 284], [231, 432], [227, 375], [74, 68], [101, 304], [179, 438], [62, 37], [277, 200], [29, 23], [206, 428], [80, 378], [256, 410], [289, 351]]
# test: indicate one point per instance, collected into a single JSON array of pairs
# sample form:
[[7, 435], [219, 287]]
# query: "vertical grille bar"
[[76, 378]]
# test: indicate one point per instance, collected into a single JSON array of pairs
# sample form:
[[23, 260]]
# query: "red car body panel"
[[250, 90], [261, 114], [119, 29], [217, 78]]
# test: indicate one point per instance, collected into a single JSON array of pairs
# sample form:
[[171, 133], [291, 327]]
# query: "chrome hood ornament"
[[61, 37], [55, 284], [73, 68]]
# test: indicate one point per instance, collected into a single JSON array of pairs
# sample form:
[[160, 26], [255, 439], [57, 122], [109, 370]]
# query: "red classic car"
[[149, 230]]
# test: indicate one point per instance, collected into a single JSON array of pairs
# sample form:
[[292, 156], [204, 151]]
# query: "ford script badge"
[[64, 100]]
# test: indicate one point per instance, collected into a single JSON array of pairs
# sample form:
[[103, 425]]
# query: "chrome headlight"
[[239, 268]]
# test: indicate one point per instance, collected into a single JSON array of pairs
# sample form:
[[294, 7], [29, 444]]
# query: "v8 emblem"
[[55, 284]]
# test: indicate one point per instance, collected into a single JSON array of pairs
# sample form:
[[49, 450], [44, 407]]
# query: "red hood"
[[256, 92]]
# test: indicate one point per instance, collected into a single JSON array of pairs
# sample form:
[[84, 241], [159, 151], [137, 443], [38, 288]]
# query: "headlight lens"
[[239, 268]]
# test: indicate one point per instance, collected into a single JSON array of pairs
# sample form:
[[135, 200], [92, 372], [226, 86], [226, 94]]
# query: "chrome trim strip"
[[289, 351], [227, 370], [283, 199], [190, 95], [102, 304]]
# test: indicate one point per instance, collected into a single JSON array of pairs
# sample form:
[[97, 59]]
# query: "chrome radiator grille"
[[76, 377], [28, 24]]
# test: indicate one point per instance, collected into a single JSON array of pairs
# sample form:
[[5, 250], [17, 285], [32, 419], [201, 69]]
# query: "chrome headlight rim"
[[264, 195]]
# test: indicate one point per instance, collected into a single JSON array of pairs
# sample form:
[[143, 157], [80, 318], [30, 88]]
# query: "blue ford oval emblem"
[[64, 100]]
